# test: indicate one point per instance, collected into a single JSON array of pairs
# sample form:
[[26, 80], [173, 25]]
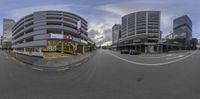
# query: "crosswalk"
[[179, 56], [154, 61]]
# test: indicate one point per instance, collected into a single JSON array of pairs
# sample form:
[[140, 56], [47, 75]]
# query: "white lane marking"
[[158, 57], [157, 64], [62, 69], [179, 56], [78, 64]]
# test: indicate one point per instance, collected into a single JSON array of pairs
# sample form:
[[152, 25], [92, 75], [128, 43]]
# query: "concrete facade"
[[141, 31], [35, 31], [182, 28]]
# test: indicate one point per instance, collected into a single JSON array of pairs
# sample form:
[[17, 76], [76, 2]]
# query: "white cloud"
[[168, 11], [100, 27], [18, 13], [108, 43], [103, 17]]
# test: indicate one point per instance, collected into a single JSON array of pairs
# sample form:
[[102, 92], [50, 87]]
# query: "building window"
[[29, 31], [59, 18], [29, 39], [54, 23]]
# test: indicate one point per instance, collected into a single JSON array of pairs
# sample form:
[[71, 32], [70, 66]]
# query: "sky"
[[103, 14]]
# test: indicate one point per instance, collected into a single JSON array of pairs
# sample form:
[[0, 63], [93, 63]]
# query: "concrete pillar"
[[146, 49], [158, 49], [40, 50], [83, 49], [167, 48], [161, 48], [62, 44], [62, 47]]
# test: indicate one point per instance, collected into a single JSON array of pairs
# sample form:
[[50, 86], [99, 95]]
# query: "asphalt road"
[[108, 75]]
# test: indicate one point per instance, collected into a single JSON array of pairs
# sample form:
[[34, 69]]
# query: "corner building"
[[141, 31], [50, 33], [182, 27], [116, 32]]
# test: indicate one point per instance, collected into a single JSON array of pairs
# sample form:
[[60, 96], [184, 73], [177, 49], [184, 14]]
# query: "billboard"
[[68, 37], [56, 36], [62, 36]]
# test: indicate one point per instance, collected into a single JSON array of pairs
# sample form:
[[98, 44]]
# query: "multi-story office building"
[[50, 33], [141, 31], [7, 33], [116, 35], [1, 41], [198, 44], [1, 38], [182, 27]]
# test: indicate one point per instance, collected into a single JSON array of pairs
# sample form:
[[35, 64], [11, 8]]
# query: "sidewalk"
[[53, 63]]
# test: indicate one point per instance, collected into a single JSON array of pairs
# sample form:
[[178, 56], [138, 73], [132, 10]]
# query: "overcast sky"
[[103, 14]]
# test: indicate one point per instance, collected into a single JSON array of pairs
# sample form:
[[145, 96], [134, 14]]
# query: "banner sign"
[[61, 36], [56, 36], [68, 37]]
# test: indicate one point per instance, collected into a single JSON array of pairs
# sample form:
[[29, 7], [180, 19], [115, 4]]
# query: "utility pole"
[[62, 44]]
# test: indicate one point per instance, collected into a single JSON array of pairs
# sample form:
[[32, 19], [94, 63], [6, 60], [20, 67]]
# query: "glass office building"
[[182, 27]]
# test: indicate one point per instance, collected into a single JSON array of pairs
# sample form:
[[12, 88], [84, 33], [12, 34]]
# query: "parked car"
[[134, 52], [124, 51]]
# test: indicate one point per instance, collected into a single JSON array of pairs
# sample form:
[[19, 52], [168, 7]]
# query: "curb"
[[59, 68]]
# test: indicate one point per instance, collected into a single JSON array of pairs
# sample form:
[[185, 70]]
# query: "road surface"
[[108, 75]]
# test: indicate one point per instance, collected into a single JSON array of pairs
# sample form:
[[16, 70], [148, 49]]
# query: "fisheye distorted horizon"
[[102, 15]]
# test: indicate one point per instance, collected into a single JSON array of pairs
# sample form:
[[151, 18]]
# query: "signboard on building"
[[56, 36], [79, 27], [68, 37]]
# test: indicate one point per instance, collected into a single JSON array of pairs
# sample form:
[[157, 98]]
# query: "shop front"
[[58, 45], [64, 45]]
